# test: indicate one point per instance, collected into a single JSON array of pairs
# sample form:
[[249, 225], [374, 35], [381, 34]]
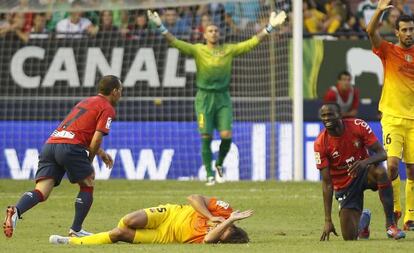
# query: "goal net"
[[44, 74]]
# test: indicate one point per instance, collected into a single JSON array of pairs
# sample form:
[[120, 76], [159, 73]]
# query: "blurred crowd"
[[349, 18], [336, 18]]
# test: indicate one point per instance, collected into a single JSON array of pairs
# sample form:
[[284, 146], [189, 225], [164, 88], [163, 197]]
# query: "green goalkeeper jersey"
[[214, 65]]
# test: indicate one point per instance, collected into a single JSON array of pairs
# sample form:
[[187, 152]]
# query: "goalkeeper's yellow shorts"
[[398, 137]]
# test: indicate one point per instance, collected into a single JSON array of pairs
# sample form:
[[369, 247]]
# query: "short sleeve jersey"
[[338, 153], [89, 115], [214, 64], [397, 97]]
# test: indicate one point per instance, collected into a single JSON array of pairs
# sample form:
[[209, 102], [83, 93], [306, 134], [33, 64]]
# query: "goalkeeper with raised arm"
[[212, 103]]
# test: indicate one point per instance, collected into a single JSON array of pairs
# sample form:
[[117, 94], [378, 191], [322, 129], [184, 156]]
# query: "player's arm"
[[95, 144], [378, 155], [373, 26], [184, 47], [327, 191], [214, 235], [274, 21], [200, 204], [247, 45]]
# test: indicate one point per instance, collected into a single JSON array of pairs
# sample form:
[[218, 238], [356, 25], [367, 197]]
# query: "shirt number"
[[318, 158]]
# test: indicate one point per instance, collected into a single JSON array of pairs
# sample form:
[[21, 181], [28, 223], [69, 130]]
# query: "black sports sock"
[[83, 203], [29, 200]]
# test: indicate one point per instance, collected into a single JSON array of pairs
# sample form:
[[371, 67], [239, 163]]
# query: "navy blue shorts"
[[352, 197], [57, 159]]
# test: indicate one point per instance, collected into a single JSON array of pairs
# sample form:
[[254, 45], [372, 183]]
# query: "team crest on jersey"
[[108, 123], [335, 154], [408, 58]]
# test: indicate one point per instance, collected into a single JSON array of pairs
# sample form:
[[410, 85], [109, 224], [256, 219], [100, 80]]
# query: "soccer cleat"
[[363, 229], [80, 233], [10, 221], [409, 225], [57, 239], [219, 170], [210, 181], [394, 232]]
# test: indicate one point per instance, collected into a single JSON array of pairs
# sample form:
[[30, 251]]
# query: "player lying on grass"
[[341, 154], [204, 220]]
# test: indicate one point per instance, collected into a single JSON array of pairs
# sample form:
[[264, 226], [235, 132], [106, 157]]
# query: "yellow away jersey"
[[397, 98]]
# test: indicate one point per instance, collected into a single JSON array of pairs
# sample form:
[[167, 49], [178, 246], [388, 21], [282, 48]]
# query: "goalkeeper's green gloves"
[[275, 20], [155, 18]]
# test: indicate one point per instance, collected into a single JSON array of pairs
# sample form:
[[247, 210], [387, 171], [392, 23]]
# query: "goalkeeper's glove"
[[275, 20], [155, 18]]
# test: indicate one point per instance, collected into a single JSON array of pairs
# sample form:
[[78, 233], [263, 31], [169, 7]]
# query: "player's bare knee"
[[379, 172], [410, 171], [122, 234], [225, 134], [87, 182]]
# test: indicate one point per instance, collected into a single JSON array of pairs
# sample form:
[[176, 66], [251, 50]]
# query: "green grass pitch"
[[288, 217]]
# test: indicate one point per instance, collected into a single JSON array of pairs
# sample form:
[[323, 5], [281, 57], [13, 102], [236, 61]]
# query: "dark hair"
[[343, 73], [334, 104], [107, 84], [403, 18], [237, 235]]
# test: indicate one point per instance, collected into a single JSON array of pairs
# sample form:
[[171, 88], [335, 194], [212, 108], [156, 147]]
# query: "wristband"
[[162, 29], [269, 28]]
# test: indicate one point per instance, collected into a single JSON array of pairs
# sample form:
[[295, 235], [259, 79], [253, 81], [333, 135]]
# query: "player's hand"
[[217, 219], [356, 167], [384, 4], [278, 19], [329, 228], [154, 17], [237, 215], [107, 159]]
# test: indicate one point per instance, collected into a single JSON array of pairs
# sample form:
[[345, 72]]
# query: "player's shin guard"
[[409, 200], [207, 155], [83, 203], [386, 194], [29, 200], [96, 239], [224, 149], [396, 184]]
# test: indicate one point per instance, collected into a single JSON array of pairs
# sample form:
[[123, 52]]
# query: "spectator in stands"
[[139, 28], [27, 16], [388, 25], [198, 31], [350, 29], [13, 27], [39, 30], [316, 21], [345, 95], [75, 24], [105, 24], [174, 24], [365, 11], [404, 7], [59, 13]]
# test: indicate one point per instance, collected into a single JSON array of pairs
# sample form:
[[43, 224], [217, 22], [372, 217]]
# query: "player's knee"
[[225, 134], [410, 171], [379, 172], [87, 182], [121, 234]]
